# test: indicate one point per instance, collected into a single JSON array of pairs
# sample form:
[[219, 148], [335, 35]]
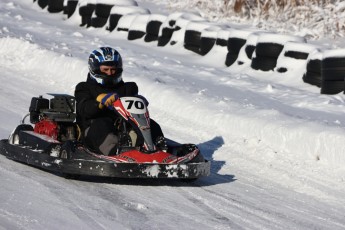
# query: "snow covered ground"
[[276, 143]]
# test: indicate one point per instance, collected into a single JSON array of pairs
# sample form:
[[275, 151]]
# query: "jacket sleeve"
[[87, 106]]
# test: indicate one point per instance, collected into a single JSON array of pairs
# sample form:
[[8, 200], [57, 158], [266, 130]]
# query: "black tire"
[[55, 6], [43, 3], [71, 7], [195, 49], [192, 38], [333, 62], [66, 153], [221, 42], [103, 10], [230, 59], [249, 51], [335, 74], [314, 65], [14, 138], [269, 49], [332, 87], [264, 63], [235, 44], [312, 78], [135, 34], [163, 41], [296, 55], [206, 45], [98, 22], [86, 13], [67, 150], [150, 38], [83, 21], [87, 9], [113, 21], [165, 37], [153, 27]]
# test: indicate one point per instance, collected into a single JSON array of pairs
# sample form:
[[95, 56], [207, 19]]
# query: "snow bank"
[[32, 58]]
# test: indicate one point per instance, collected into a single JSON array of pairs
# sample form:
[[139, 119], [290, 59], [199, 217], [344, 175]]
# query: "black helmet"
[[105, 56]]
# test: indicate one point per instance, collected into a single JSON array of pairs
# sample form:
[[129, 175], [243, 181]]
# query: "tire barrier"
[[268, 48], [312, 74], [118, 11], [102, 11], [153, 27], [237, 39], [55, 6], [208, 39], [333, 71], [222, 37], [214, 41], [192, 36], [293, 58], [167, 29], [245, 55], [260, 50], [137, 28], [180, 29]]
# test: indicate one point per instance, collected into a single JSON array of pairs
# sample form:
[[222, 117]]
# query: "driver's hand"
[[107, 100]]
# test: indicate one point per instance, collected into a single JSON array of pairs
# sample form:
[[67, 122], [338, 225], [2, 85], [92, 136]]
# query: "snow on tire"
[[153, 26], [117, 12], [137, 29]]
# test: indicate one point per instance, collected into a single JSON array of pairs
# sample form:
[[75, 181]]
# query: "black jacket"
[[87, 106]]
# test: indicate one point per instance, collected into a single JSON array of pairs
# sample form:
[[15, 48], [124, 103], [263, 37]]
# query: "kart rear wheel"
[[65, 153]]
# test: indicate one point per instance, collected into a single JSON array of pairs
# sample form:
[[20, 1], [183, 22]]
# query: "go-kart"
[[51, 141]]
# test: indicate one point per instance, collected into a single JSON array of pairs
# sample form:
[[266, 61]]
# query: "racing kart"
[[51, 141]]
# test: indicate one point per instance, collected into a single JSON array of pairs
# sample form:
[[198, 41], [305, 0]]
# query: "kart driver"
[[94, 99]]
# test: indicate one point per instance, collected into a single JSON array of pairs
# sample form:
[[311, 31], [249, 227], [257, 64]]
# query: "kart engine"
[[54, 117]]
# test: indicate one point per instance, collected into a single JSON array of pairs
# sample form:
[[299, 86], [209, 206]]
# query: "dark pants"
[[102, 136]]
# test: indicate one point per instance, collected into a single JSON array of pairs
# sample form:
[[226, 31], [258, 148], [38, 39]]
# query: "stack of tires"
[[268, 49], [294, 58], [192, 37], [236, 41], [208, 39], [245, 55], [312, 73], [333, 71], [167, 29], [180, 28], [117, 12], [86, 8], [153, 26], [214, 41]]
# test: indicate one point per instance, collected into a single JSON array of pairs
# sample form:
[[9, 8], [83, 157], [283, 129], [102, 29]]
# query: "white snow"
[[276, 144]]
